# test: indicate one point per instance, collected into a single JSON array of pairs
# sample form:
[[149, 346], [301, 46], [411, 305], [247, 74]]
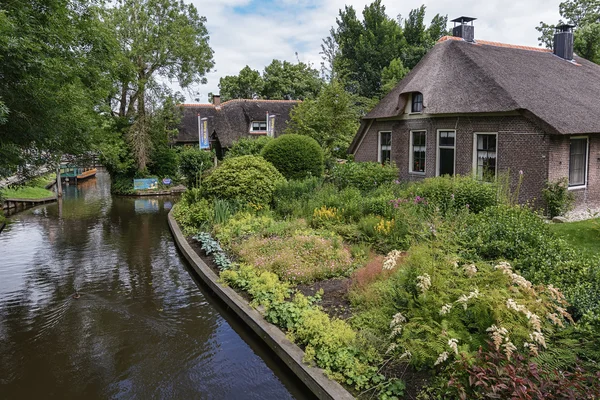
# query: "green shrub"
[[559, 200], [164, 162], [193, 217], [193, 162], [248, 179], [122, 184], [454, 193], [295, 156], [364, 176], [248, 146], [439, 307], [288, 195]]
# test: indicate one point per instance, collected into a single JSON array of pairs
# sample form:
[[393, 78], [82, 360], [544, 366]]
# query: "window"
[[417, 151], [485, 156], [446, 149], [578, 161], [417, 102], [385, 147], [258, 126]]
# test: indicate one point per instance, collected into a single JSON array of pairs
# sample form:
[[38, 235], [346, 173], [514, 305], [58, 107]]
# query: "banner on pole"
[[271, 125], [203, 133]]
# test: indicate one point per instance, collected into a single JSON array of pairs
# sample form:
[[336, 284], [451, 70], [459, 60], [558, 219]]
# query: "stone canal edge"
[[288, 352]]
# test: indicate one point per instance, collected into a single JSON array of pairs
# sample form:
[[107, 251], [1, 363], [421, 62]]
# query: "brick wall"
[[588, 197], [521, 146]]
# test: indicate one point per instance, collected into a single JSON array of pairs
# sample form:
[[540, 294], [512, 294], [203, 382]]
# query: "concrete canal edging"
[[290, 353]]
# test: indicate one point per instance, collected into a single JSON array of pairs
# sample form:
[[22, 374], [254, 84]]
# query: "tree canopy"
[[280, 80], [357, 52], [585, 16]]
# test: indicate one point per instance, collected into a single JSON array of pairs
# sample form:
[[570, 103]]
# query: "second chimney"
[[462, 29], [563, 41], [216, 99]]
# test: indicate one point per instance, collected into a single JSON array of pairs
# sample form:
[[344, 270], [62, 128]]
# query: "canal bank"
[[142, 328]]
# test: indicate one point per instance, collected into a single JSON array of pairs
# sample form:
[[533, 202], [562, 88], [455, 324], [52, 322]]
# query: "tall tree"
[[246, 85], [280, 80], [362, 49], [54, 55], [164, 39], [331, 119], [585, 16]]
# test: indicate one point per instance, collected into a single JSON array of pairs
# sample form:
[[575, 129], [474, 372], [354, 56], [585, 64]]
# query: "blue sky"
[[254, 32]]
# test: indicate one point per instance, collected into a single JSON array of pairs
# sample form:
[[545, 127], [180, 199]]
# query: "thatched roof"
[[231, 120], [458, 77]]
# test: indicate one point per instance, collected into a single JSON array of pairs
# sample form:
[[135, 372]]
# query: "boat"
[[70, 172]]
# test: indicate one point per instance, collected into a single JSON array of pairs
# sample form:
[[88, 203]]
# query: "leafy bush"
[[330, 343], [299, 258], [193, 162], [559, 200], [295, 156], [122, 184], [440, 308], [364, 176], [164, 162], [289, 194], [496, 375], [248, 146], [248, 179], [193, 217], [454, 193]]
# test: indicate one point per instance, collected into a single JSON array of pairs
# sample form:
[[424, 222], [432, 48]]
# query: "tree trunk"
[[58, 181]]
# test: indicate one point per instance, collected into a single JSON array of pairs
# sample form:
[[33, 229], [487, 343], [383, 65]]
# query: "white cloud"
[[256, 38]]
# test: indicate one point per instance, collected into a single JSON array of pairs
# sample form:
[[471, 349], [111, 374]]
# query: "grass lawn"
[[35, 189], [583, 235]]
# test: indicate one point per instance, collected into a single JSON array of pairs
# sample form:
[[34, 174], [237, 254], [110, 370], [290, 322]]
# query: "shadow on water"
[[143, 326]]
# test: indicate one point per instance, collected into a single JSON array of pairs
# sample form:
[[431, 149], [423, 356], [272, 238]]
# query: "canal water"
[[143, 326]]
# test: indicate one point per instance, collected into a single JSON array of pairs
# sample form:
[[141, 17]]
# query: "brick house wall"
[[521, 146], [588, 197]]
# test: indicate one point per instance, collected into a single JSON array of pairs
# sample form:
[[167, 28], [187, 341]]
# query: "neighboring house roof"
[[231, 120], [458, 77]]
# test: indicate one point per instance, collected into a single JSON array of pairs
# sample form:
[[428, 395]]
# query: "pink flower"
[[520, 172]]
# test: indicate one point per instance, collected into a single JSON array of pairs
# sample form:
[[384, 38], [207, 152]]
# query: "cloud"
[[254, 32]]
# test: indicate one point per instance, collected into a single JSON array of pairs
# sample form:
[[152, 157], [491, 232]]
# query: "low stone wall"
[[291, 354]]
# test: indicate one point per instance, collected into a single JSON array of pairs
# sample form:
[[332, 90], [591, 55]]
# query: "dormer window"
[[258, 126], [417, 102]]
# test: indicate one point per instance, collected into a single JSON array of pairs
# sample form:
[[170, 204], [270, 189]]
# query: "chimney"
[[462, 29], [563, 41], [216, 99]]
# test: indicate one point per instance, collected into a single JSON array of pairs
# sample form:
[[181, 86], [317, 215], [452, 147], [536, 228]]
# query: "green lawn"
[[582, 235], [35, 189]]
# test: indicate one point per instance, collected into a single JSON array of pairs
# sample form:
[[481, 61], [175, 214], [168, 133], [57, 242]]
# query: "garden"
[[443, 288]]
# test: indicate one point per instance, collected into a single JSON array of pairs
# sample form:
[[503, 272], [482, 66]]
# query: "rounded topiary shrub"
[[295, 156], [249, 179], [193, 162]]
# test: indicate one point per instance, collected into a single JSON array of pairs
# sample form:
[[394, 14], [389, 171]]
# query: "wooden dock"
[[10, 204]]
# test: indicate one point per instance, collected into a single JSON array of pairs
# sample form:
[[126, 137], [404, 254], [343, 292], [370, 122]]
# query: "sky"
[[254, 32]]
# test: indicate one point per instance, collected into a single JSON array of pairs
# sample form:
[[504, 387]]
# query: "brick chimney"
[[462, 29], [216, 99], [563, 41]]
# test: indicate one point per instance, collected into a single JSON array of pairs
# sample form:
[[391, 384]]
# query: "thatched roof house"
[[478, 107], [229, 121]]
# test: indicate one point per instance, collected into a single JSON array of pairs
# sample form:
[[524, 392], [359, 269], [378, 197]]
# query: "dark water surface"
[[143, 327]]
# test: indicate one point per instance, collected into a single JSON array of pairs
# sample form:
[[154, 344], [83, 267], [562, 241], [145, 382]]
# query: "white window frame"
[[587, 161], [437, 150], [475, 152], [258, 130], [379, 145], [411, 155]]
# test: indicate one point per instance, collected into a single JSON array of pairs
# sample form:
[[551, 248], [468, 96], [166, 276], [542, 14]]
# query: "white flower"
[[390, 260], [555, 319], [445, 309], [538, 337], [497, 334], [533, 349], [453, 343], [397, 320], [464, 298], [442, 357], [407, 354], [424, 282], [470, 270], [509, 348], [504, 267]]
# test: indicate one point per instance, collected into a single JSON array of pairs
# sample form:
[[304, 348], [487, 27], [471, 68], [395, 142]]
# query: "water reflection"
[[142, 328]]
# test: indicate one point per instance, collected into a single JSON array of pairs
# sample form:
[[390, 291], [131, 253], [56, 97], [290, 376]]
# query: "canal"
[[142, 327]]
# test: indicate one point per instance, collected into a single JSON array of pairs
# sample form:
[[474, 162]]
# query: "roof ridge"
[[239, 101], [497, 44]]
